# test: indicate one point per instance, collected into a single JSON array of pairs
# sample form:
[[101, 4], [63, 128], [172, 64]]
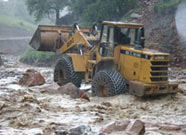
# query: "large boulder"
[[74, 92], [115, 126], [127, 127], [32, 78], [69, 89], [136, 127]]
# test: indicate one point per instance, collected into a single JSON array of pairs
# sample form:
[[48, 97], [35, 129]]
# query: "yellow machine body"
[[145, 70]]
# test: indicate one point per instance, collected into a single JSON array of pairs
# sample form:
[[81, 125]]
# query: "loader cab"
[[114, 34]]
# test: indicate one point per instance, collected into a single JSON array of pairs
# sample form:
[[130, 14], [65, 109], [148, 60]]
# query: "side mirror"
[[94, 30], [75, 27]]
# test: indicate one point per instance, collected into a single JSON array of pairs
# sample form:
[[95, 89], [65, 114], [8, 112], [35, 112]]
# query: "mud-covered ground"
[[41, 110]]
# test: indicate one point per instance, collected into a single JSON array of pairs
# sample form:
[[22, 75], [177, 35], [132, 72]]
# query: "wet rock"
[[1, 61], [133, 127], [61, 132], [32, 78], [2, 105], [100, 133], [69, 89], [115, 126], [74, 92], [29, 98], [107, 104], [83, 95], [136, 127], [165, 127], [170, 127], [80, 130]]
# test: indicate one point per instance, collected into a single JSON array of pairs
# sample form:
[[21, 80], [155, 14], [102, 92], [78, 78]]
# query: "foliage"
[[43, 8], [92, 11], [12, 8], [12, 14], [31, 56], [14, 21], [166, 5]]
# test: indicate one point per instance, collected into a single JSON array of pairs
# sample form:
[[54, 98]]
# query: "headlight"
[[161, 57]]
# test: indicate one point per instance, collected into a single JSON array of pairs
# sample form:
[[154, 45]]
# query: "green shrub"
[[14, 21], [166, 5], [33, 56]]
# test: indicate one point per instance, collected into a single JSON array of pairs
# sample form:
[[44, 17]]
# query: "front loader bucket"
[[51, 38]]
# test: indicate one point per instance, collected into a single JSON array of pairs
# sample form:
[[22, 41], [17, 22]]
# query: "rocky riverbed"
[[40, 110]]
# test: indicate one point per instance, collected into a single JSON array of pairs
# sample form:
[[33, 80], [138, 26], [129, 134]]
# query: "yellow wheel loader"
[[114, 60]]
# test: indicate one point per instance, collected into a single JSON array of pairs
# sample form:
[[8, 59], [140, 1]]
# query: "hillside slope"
[[14, 39], [158, 18], [7, 31]]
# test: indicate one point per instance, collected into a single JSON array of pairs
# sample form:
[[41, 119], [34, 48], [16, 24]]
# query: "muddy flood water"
[[41, 110]]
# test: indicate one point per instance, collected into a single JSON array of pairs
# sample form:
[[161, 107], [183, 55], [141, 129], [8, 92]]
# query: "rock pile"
[[127, 127]]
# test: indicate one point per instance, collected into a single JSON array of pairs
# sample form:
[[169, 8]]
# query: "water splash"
[[180, 19]]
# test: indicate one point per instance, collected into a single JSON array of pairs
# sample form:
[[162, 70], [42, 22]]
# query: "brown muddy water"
[[41, 110]]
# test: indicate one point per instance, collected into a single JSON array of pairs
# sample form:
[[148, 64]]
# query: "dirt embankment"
[[161, 31], [13, 39], [162, 35]]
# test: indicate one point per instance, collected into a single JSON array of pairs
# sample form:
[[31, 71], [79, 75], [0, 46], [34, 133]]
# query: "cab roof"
[[122, 24]]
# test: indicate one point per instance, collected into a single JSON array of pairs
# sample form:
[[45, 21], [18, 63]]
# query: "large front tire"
[[108, 82], [64, 72]]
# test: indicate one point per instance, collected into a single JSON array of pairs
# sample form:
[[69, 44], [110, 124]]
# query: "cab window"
[[107, 41], [111, 35], [127, 36], [104, 34]]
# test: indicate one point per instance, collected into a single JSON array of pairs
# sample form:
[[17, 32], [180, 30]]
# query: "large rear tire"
[[108, 82], [64, 72]]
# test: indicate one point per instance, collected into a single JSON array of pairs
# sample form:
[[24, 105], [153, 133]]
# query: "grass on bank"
[[128, 16], [32, 55], [13, 21], [166, 5]]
